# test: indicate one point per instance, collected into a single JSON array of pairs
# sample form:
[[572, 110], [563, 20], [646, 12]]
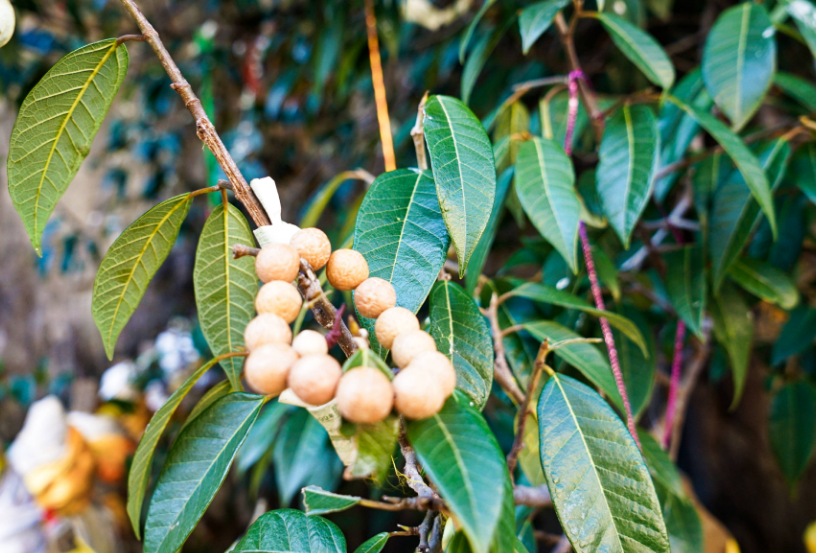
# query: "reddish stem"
[[333, 335], [677, 367]]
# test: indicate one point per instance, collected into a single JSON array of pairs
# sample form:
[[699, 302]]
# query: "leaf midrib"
[[545, 181], [404, 224], [741, 46], [459, 169]]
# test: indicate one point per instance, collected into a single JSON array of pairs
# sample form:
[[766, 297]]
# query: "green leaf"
[[55, 127], [803, 170], [131, 263], [478, 57], [747, 164], [262, 435], [797, 88], [290, 531], [375, 544], [734, 330], [545, 183], [548, 294], [374, 446], [628, 157], [318, 501], [765, 281], [211, 396], [791, 430], [462, 458], [300, 451], [534, 20], [364, 357], [322, 197], [640, 48], [461, 333], [463, 45], [686, 285], [739, 61], [804, 13], [599, 484], [225, 288], [664, 473], [139, 473], [463, 169], [196, 466], [796, 336], [401, 234], [482, 250]]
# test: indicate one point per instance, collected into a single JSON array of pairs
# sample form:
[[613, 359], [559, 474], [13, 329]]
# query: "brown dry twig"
[[518, 443], [501, 370]]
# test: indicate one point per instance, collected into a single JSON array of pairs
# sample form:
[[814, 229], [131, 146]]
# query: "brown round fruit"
[[346, 269], [416, 393], [314, 378], [310, 342], [439, 366], [365, 395], [267, 367], [393, 322], [408, 345], [373, 296], [266, 328], [277, 262], [313, 245], [280, 298]]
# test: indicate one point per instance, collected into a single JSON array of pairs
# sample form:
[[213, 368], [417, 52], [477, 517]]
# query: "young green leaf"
[[628, 156], [797, 88], [739, 61], [374, 544], [765, 281], [599, 484], [364, 357], [131, 263], [640, 48], [195, 468], [686, 285], [288, 530], [535, 19], [461, 333], [463, 169], [545, 183], [477, 260], [734, 330], [791, 430], [55, 127], [318, 501], [463, 460], [797, 335], [225, 288]]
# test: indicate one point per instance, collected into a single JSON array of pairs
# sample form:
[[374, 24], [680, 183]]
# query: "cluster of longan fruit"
[[364, 394]]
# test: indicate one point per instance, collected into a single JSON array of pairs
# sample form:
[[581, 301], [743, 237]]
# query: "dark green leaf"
[[791, 428], [640, 48], [374, 446], [803, 170], [463, 45], [765, 281], [262, 435], [318, 501], [797, 88], [482, 250], [375, 544], [534, 20], [290, 531], [686, 285], [211, 396], [734, 330], [796, 336], [478, 57]]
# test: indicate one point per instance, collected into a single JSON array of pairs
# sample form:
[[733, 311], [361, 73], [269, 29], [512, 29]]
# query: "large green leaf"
[[545, 183], [463, 169], [640, 48], [797, 88], [734, 330], [599, 484], [464, 461], [686, 285], [225, 288], [549, 294], [290, 531], [55, 127], [739, 61], [535, 19], [461, 333], [131, 263], [747, 164], [318, 501], [628, 156], [765, 281], [480, 253], [804, 13], [791, 428], [796, 336], [139, 473], [195, 468]]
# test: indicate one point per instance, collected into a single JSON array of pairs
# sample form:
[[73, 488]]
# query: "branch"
[[684, 392], [537, 497], [415, 481], [501, 371], [518, 443], [324, 312]]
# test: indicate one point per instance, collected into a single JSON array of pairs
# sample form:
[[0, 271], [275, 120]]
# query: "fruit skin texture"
[[313, 245], [347, 269], [365, 395], [439, 366], [266, 328], [280, 298], [408, 345], [373, 296], [314, 378], [277, 262], [393, 322], [417, 395], [310, 342], [267, 368]]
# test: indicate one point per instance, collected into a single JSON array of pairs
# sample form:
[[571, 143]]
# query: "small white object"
[[42, 439], [279, 232], [6, 22], [93, 427]]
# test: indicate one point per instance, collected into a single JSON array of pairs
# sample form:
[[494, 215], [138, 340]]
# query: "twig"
[[379, 87], [529, 496], [435, 541], [693, 371], [415, 481], [518, 442], [239, 251], [424, 532], [418, 135], [546, 537], [677, 366], [324, 312], [501, 371], [130, 38]]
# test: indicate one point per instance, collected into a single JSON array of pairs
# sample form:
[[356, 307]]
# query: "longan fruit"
[[373, 296], [280, 298], [417, 395], [392, 322], [277, 262], [267, 368], [439, 366], [408, 345], [365, 395], [346, 269], [266, 328], [310, 342], [314, 378], [313, 245]]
